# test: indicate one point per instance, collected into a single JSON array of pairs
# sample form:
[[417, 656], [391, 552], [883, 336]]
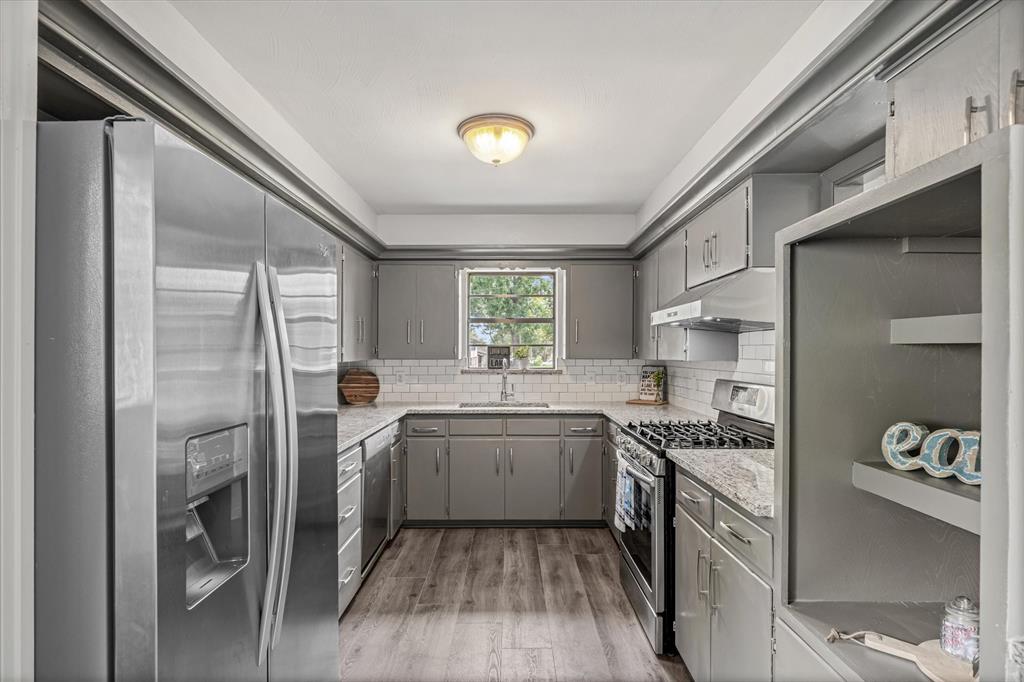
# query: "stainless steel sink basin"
[[506, 403]]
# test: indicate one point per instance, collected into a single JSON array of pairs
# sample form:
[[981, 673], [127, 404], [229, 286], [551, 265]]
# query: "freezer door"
[[302, 258], [210, 405]]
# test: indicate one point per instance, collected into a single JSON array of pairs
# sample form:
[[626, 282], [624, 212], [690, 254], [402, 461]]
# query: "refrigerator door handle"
[[280, 447], [291, 421]]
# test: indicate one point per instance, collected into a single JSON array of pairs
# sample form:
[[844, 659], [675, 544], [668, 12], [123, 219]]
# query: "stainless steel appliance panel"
[[376, 493], [302, 258], [644, 547], [209, 377]]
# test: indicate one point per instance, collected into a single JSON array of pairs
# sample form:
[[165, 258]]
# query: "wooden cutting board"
[[359, 386]]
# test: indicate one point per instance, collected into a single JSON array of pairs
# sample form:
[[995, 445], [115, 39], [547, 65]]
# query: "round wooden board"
[[359, 386]]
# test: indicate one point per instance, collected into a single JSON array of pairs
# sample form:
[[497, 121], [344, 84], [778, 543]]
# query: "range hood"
[[743, 302]]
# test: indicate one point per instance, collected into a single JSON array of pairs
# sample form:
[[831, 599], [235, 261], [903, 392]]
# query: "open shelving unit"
[[865, 339]]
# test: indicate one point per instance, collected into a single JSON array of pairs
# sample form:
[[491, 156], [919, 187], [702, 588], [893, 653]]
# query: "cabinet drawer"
[[425, 427], [350, 463], [741, 535], [349, 507], [475, 427], [695, 500], [586, 426], [533, 427], [349, 578]]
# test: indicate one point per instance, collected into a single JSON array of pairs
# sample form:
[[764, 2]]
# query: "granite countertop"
[[747, 477]]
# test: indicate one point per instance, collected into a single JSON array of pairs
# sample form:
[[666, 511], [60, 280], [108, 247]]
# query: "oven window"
[[639, 542]]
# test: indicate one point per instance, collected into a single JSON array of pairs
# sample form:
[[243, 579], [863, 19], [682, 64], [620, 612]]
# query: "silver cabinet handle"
[[511, 463], [732, 531], [349, 511], [437, 461], [1015, 85], [421, 330], [713, 585], [571, 461], [969, 110], [348, 576], [581, 429], [497, 461], [408, 331], [701, 558], [425, 429], [359, 330], [713, 249], [350, 467], [577, 329], [690, 498]]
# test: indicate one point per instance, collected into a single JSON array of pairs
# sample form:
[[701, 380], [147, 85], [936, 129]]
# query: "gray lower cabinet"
[[610, 468], [693, 608], [397, 513], [581, 476], [427, 470], [741, 619], [531, 479], [477, 479], [418, 306], [795, 661], [600, 311]]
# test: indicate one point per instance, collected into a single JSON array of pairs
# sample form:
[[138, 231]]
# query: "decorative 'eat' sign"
[[904, 438]]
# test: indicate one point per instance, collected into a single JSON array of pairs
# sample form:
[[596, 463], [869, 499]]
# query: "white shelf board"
[[946, 499], [941, 329]]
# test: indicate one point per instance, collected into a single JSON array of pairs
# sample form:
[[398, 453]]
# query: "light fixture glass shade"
[[496, 138]]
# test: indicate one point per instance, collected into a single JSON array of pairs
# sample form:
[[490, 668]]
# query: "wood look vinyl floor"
[[498, 604]]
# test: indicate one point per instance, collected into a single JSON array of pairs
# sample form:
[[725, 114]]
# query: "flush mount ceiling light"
[[496, 138]]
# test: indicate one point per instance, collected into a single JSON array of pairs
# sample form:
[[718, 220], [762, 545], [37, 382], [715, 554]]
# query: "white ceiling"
[[618, 91]]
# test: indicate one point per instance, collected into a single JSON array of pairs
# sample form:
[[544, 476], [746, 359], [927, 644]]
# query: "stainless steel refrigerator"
[[185, 417]]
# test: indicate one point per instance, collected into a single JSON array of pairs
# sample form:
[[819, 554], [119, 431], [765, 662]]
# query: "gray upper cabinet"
[[671, 269], [418, 305], [600, 311], [427, 472], [357, 299], [477, 479], [581, 475], [1011, 63], [646, 302], [531, 479], [741, 620], [696, 345], [692, 605], [951, 96]]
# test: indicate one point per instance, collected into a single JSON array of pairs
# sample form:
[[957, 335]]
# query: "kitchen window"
[[512, 309]]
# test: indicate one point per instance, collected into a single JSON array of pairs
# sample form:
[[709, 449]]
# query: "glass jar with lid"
[[960, 628]]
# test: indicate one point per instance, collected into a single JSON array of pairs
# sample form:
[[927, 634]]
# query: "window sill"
[[481, 370]]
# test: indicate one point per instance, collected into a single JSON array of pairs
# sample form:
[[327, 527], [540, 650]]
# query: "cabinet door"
[[531, 479], [477, 479], [427, 468], [600, 311], [436, 308], [1011, 63], [608, 465], [693, 607], [741, 620], [581, 460], [397, 511], [396, 305], [672, 265], [795, 661], [671, 343], [359, 331], [930, 99], [646, 302], [716, 241]]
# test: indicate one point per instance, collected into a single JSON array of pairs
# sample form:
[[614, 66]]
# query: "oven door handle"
[[639, 477]]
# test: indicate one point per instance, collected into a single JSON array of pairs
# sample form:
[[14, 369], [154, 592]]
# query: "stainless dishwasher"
[[376, 493]]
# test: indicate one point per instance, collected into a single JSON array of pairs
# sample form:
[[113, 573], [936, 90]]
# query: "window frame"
[[556, 309]]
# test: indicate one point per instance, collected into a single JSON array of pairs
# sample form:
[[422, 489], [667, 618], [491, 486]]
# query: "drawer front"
[[426, 427], [349, 508], [534, 427], [476, 427], [350, 463], [349, 578], [586, 426], [699, 502], [741, 535]]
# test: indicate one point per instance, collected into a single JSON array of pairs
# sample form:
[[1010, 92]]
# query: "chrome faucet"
[[506, 395]]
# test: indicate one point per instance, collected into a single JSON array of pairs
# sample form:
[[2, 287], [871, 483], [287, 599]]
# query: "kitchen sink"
[[501, 403]]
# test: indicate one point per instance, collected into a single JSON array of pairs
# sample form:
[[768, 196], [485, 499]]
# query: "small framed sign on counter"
[[497, 355], [652, 386]]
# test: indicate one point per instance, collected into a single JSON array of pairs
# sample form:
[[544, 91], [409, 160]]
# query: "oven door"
[[644, 546]]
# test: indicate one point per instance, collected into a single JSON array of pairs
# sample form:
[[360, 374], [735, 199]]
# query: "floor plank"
[[446, 576], [576, 646], [527, 665], [592, 541], [481, 599], [551, 536], [424, 650], [392, 608], [524, 612], [417, 552], [625, 645], [476, 655]]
